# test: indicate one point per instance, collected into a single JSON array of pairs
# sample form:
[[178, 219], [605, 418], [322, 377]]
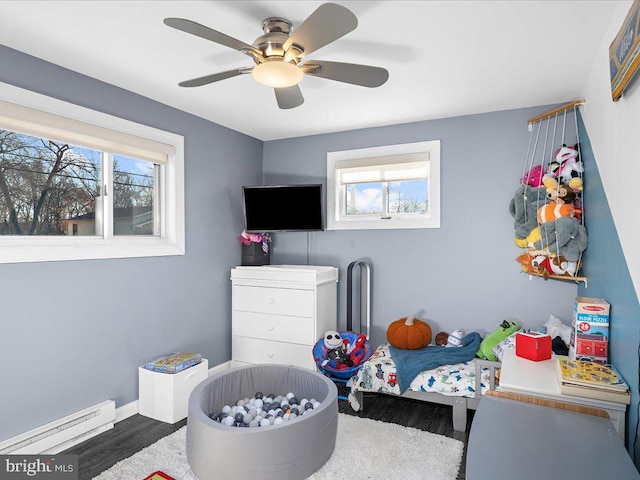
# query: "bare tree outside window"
[[53, 188], [43, 183], [408, 196]]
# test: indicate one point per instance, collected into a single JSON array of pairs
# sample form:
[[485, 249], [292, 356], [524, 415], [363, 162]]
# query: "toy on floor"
[[264, 411], [486, 346], [158, 475]]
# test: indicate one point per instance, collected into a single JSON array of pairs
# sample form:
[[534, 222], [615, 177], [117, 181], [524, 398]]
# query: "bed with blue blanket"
[[450, 376]]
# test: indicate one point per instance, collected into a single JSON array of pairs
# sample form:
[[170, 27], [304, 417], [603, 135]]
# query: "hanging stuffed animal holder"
[[548, 206]]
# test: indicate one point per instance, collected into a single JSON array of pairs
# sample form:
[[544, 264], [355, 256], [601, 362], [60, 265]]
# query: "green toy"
[[486, 347]]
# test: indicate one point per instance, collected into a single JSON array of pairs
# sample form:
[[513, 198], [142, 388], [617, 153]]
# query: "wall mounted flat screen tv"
[[283, 208]]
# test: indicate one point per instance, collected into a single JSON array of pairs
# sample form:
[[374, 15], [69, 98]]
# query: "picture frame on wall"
[[624, 52]]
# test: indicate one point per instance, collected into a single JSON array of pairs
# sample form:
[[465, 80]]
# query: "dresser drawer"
[[282, 301], [251, 350], [274, 327]]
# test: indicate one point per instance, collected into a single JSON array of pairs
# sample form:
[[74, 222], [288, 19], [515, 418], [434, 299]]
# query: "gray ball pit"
[[289, 451]]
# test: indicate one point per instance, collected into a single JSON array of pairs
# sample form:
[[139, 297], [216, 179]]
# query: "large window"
[[396, 186], [79, 184]]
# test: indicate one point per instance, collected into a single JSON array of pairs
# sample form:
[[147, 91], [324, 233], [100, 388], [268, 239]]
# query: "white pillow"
[[508, 343]]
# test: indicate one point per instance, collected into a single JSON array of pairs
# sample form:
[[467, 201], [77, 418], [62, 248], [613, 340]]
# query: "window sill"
[[392, 223], [86, 249]]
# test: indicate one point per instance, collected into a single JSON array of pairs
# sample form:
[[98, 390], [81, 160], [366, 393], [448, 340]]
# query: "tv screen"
[[283, 208]]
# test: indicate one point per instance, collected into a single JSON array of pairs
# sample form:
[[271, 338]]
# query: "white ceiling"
[[444, 59]]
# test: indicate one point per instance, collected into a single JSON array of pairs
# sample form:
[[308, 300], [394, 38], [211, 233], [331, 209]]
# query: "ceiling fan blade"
[[289, 97], [207, 33], [216, 77], [363, 75], [327, 24]]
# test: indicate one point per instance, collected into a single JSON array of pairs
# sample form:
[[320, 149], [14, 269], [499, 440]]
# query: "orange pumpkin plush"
[[409, 333]]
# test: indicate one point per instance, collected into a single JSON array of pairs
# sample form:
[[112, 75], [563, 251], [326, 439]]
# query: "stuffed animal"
[[442, 338], [554, 265], [570, 166], [543, 264], [562, 267], [340, 357], [486, 347], [565, 237], [359, 350], [409, 333], [523, 208], [530, 239], [531, 263], [554, 210], [533, 177], [455, 338], [559, 192], [336, 356]]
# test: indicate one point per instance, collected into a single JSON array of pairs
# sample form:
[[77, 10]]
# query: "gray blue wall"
[[609, 278], [72, 334], [463, 274]]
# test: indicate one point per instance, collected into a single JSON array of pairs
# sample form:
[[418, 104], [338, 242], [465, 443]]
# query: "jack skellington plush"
[[335, 350]]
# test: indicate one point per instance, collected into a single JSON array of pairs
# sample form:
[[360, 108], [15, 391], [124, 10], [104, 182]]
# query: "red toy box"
[[534, 346]]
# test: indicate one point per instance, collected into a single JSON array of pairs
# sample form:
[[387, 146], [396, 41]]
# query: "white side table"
[[540, 379], [165, 396]]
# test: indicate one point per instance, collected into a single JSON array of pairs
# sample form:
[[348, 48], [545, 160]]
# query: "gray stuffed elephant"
[[564, 236], [524, 208]]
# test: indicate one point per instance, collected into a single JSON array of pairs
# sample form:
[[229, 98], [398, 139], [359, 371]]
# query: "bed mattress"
[[378, 374]]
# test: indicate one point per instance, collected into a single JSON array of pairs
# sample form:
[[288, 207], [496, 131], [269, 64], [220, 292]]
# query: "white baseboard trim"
[[63, 433], [130, 409], [220, 368], [126, 411]]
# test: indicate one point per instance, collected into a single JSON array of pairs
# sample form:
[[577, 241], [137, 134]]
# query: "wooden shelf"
[[558, 277], [560, 109]]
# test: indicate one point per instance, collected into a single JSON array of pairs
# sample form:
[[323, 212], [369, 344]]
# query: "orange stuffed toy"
[[409, 333]]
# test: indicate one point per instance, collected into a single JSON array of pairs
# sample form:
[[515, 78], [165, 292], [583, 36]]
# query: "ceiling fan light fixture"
[[277, 74]]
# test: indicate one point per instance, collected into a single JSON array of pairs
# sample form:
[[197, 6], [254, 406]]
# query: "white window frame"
[[32, 248], [336, 220]]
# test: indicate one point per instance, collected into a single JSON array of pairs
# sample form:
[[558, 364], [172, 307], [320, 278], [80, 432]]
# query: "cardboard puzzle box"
[[590, 330]]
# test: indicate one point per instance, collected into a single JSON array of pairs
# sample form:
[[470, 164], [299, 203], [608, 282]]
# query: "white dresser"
[[280, 311]]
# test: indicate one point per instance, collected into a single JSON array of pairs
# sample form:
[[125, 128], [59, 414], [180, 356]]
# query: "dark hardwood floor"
[[137, 432]]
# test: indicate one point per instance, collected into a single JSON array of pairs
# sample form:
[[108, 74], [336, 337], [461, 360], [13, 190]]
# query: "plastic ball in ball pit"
[[245, 410], [218, 451]]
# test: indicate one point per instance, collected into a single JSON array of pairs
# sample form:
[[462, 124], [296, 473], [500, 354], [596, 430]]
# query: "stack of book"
[[173, 362], [592, 380]]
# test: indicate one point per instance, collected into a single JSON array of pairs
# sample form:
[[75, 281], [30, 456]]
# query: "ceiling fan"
[[278, 54]]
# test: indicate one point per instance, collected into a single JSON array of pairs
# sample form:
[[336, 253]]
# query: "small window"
[[396, 186], [79, 184]]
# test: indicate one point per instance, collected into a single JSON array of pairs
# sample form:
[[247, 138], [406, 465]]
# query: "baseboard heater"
[[64, 433]]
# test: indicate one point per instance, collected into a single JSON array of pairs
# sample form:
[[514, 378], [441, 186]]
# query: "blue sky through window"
[[409, 196]]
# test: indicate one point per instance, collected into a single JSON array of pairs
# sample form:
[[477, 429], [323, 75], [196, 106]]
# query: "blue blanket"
[[409, 363]]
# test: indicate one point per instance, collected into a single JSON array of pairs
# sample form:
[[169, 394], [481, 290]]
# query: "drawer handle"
[[271, 300], [271, 355]]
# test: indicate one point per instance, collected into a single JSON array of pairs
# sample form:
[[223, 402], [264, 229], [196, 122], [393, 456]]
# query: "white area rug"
[[365, 449]]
